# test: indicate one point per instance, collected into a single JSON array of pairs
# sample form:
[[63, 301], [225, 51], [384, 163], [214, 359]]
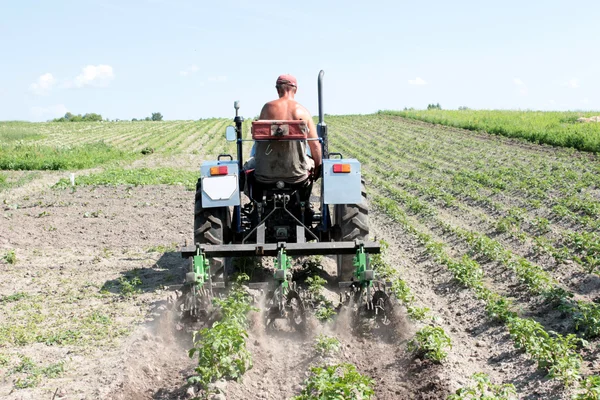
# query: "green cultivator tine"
[[283, 264], [201, 268], [361, 262]]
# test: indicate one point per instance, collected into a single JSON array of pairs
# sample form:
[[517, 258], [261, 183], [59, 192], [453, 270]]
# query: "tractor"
[[236, 215]]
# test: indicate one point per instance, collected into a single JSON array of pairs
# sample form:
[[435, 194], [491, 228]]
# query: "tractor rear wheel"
[[353, 221], [212, 226]]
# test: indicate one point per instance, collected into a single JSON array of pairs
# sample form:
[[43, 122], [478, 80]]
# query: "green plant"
[[553, 352], [431, 343], [10, 257], [325, 311], [589, 389], [326, 345], [484, 389], [221, 349], [315, 287], [339, 381], [129, 286], [32, 374]]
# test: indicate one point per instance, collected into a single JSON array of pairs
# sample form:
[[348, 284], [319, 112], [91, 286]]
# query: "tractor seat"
[[279, 130]]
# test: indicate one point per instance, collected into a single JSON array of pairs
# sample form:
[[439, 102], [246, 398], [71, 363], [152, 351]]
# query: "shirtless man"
[[287, 160]]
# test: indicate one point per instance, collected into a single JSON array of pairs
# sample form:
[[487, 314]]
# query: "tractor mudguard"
[[341, 181], [220, 183]]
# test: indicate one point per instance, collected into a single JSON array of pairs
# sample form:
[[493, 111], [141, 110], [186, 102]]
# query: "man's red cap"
[[286, 78]]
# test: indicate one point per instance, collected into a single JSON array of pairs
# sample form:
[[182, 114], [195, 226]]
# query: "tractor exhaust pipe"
[[322, 126]]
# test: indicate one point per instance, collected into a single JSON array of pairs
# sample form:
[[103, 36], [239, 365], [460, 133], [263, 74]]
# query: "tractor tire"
[[212, 226], [353, 222]]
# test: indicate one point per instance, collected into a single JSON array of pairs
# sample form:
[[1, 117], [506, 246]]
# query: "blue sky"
[[192, 59]]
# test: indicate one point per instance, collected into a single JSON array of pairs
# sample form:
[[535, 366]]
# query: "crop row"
[[553, 352], [437, 191], [481, 177]]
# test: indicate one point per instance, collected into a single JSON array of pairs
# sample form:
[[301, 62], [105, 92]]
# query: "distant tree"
[[147, 119], [92, 117], [134, 119], [463, 108], [157, 116], [434, 106]]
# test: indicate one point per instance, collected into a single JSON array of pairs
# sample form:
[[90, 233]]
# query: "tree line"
[[93, 117]]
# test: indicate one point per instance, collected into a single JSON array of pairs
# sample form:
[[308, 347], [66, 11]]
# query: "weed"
[[339, 381], [431, 343], [129, 287], [10, 257], [162, 248], [34, 373], [13, 297], [326, 345]]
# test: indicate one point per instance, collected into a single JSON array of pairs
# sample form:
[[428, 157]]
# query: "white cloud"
[[94, 75], [523, 91], [220, 78], [585, 100], [44, 113], [417, 81], [573, 83], [43, 85], [192, 69]]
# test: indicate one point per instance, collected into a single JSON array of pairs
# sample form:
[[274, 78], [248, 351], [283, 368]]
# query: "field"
[[493, 247], [553, 128]]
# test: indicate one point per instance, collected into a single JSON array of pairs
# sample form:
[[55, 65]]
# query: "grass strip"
[[39, 157], [139, 176]]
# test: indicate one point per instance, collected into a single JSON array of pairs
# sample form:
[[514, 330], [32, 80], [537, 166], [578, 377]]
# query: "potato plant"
[[431, 343], [221, 349], [338, 381], [485, 389]]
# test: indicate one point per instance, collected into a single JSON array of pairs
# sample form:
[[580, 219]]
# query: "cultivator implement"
[[285, 298]]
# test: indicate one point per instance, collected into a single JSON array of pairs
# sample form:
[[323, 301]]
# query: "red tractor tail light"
[[222, 170], [341, 168]]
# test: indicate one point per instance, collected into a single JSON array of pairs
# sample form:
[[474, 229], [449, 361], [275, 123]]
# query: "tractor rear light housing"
[[341, 168], [222, 170]]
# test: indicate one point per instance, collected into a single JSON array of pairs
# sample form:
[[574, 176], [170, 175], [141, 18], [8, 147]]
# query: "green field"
[[554, 128], [56, 146]]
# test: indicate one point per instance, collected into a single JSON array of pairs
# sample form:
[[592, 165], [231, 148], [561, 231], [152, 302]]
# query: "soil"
[[84, 241]]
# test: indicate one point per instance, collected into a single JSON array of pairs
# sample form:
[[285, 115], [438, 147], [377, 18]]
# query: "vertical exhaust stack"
[[322, 126]]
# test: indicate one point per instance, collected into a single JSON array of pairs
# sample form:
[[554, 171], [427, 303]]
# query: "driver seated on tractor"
[[287, 161]]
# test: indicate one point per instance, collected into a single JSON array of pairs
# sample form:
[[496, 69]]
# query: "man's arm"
[[315, 145]]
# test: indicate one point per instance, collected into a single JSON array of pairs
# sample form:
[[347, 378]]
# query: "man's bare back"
[[286, 108]]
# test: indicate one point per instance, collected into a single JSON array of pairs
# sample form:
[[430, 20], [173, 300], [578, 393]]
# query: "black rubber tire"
[[211, 226], [353, 221]]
